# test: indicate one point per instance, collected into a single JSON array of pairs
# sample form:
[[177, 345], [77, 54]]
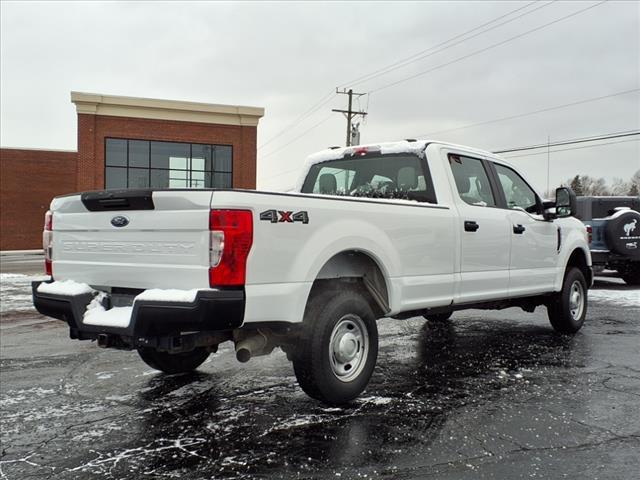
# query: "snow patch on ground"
[[21, 396], [376, 400], [15, 291], [169, 295], [65, 287], [622, 298], [97, 433]]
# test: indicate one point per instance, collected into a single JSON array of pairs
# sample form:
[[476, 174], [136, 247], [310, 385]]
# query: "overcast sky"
[[287, 56]]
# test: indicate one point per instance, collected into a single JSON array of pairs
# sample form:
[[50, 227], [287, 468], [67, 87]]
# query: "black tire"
[[173, 362], [564, 316], [321, 373], [631, 273], [438, 317]]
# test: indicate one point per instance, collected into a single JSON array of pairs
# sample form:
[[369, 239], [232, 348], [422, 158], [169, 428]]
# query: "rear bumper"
[[211, 311]]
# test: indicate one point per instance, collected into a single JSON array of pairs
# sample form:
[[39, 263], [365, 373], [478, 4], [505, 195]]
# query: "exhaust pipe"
[[253, 345]]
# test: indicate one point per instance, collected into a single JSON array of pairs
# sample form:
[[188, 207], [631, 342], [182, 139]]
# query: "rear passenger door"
[[484, 232], [534, 241]]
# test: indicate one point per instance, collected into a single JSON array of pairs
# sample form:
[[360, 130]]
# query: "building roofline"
[[38, 149], [152, 108]]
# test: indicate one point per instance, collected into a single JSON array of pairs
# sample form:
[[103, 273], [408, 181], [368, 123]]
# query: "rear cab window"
[[391, 176], [472, 181]]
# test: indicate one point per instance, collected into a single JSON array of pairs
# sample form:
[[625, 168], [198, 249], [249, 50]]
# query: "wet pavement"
[[486, 395]]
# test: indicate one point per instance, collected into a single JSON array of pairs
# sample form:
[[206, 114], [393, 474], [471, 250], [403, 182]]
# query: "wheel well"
[[356, 267], [579, 259]]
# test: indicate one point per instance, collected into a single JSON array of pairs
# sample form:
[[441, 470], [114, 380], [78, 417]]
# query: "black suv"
[[613, 224]]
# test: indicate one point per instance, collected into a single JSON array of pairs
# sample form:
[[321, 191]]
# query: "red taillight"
[[360, 151], [47, 242], [231, 237], [589, 234]]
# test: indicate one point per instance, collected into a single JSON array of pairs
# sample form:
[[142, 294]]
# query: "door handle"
[[519, 229], [470, 226]]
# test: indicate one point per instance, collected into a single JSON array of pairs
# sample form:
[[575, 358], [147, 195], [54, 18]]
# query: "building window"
[[150, 164]]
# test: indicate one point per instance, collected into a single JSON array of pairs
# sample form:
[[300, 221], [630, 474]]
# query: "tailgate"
[[133, 239]]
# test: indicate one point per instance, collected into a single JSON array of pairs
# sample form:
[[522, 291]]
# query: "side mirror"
[[565, 202]]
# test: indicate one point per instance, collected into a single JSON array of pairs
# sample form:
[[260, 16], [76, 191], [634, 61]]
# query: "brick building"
[[126, 142]]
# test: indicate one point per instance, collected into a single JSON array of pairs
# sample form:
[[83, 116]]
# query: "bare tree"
[[619, 187], [591, 186], [634, 187]]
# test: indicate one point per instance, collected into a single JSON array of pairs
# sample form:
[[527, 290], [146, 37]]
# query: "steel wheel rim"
[[576, 300], [348, 347]]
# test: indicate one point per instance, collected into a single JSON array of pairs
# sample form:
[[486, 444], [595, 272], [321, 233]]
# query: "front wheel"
[[338, 347], [174, 362], [568, 308]]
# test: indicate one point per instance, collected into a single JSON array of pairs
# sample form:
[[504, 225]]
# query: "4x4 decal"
[[281, 216]]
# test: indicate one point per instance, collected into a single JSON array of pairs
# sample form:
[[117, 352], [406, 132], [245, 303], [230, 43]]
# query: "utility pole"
[[548, 160], [349, 113]]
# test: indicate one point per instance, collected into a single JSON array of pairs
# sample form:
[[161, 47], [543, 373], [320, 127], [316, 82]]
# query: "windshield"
[[383, 176]]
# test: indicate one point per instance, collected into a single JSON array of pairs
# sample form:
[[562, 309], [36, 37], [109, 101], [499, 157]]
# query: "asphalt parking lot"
[[486, 395]]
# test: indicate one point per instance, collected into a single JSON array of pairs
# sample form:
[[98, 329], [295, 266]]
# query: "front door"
[[534, 241]]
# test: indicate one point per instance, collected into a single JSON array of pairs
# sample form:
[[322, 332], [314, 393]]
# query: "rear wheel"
[[173, 362], [438, 317], [568, 308], [631, 273], [338, 347]]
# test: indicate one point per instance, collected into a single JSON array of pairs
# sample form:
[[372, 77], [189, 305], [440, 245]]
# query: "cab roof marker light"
[[360, 151]]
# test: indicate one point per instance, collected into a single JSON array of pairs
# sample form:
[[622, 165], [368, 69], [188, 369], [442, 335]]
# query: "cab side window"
[[472, 181], [516, 191]]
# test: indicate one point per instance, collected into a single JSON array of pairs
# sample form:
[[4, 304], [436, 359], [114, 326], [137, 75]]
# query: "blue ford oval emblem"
[[120, 221]]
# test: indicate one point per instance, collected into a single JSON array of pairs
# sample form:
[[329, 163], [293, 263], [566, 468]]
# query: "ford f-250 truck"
[[391, 230]]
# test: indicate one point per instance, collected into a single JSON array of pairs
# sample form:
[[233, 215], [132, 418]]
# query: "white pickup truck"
[[391, 230]]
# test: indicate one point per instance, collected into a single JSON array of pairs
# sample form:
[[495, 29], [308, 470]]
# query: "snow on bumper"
[[154, 313]]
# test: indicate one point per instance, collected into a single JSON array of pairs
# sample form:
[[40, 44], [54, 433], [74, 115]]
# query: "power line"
[[326, 100], [533, 112], [482, 50], [406, 61], [298, 137], [572, 141], [447, 43], [572, 148], [316, 106]]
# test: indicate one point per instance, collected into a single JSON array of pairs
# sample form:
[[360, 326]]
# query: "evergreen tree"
[[576, 185]]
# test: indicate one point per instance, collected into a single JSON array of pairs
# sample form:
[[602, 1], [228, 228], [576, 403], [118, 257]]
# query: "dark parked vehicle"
[[613, 224]]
